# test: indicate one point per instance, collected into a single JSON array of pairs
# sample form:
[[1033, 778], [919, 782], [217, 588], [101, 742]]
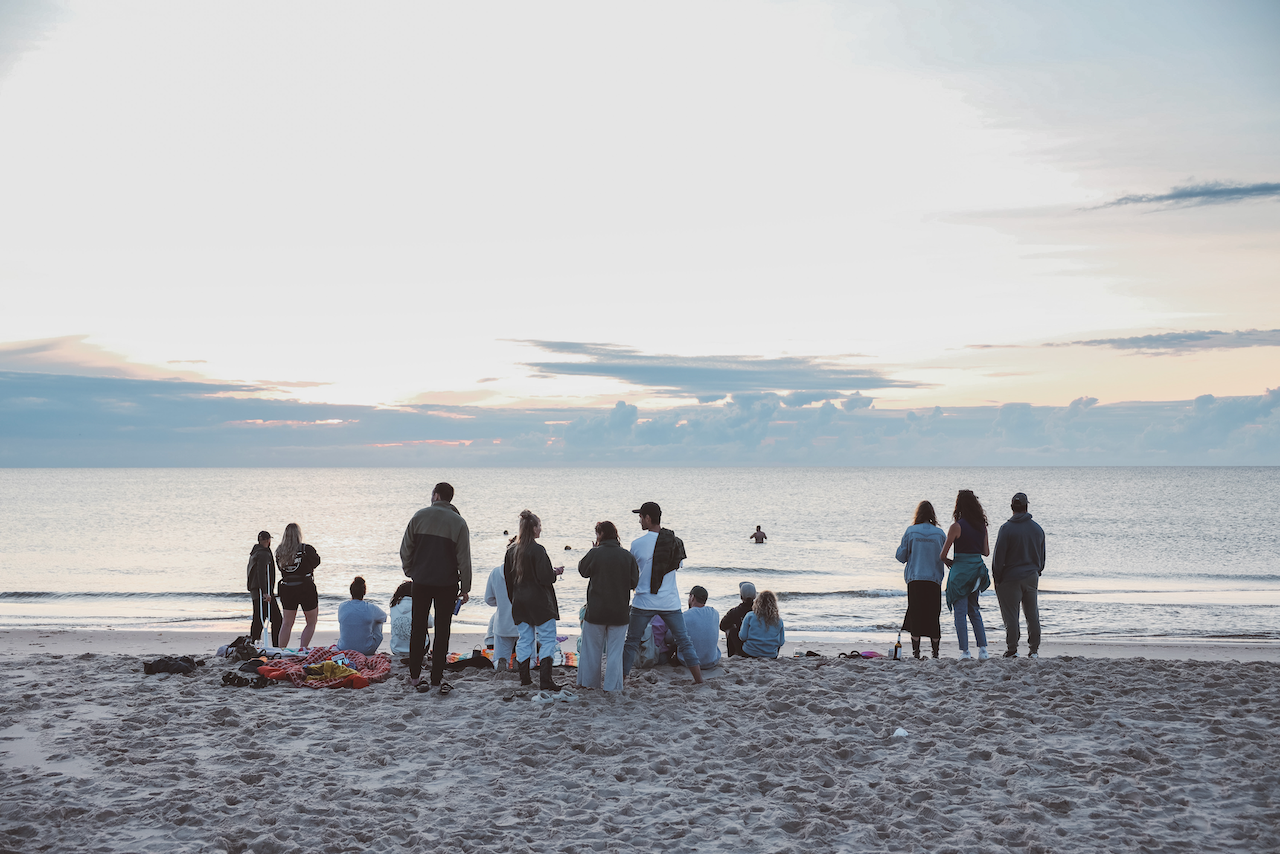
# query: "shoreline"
[[204, 643]]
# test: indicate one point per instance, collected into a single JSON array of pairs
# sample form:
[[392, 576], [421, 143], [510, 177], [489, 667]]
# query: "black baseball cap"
[[1020, 498], [698, 592], [264, 535], [650, 509]]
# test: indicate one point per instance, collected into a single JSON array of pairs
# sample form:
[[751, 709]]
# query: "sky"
[[693, 233]]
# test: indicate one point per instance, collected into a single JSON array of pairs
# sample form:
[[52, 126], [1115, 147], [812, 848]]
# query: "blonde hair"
[[525, 538], [290, 542], [766, 608]]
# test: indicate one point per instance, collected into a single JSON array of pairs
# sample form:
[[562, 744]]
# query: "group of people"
[[1016, 567], [435, 554]]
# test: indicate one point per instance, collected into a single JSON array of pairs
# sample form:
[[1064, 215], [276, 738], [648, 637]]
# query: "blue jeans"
[[640, 618], [967, 610], [546, 637]]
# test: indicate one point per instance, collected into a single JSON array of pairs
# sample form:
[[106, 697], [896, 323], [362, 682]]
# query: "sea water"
[[1132, 552]]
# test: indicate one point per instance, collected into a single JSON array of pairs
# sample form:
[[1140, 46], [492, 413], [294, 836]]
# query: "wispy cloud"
[[1169, 343], [1211, 193], [711, 378]]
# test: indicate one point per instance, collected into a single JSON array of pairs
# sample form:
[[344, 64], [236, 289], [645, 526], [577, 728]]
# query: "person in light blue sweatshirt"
[[360, 622], [762, 633], [921, 551]]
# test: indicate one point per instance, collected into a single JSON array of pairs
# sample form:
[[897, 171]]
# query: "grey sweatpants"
[[1022, 592]]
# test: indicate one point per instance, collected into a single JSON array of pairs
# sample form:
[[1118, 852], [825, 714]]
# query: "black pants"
[[424, 596], [273, 606]]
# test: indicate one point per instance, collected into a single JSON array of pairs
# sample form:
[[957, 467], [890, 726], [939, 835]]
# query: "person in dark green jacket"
[[613, 573], [531, 587]]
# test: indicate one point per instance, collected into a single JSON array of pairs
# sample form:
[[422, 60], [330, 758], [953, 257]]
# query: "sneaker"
[[965, 655], [1013, 653], [982, 653], [1034, 655]]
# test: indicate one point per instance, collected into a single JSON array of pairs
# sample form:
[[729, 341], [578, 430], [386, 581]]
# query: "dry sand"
[[1148, 751]]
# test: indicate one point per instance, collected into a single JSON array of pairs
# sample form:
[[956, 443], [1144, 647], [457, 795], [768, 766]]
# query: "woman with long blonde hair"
[[297, 561], [531, 588], [762, 632]]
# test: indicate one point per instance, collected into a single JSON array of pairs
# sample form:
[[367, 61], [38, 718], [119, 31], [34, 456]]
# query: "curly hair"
[[766, 608], [969, 508]]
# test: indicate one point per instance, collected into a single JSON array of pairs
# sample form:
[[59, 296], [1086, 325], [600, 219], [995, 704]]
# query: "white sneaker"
[[965, 655], [982, 653], [1034, 655]]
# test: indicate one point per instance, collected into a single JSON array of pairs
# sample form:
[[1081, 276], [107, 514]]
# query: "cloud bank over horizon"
[[49, 420]]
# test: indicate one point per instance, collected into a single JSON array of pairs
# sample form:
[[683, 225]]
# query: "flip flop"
[[445, 689]]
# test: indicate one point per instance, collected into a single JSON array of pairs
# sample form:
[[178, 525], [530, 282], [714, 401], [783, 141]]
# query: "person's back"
[[401, 623], [360, 622], [762, 632], [1019, 549], [703, 625]]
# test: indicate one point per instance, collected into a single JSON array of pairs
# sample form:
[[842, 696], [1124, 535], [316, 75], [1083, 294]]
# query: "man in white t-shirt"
[[659, 553]]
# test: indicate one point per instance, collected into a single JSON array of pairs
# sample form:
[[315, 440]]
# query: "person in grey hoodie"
[[921, 551], [1016, 567]]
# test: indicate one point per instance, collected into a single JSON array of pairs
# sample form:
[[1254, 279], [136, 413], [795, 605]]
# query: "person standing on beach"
[[968, 576], [732, 621], [659, 553], [612, 574], [921, 551], [297, 562], [435, 553], [759, 536], [531, 582], [1016, 567], [262, 583]]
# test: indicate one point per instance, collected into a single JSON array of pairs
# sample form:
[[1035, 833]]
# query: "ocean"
[[1131, 552]]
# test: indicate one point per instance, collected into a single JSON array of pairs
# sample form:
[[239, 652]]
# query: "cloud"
[[1165, 343], [61, 420], [1193, 195], [24, 25], [712, 378]]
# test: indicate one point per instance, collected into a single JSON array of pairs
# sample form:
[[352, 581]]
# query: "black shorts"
[[304, 596]]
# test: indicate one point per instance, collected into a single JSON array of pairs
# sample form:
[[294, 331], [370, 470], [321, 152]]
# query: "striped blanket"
[[369, 669]]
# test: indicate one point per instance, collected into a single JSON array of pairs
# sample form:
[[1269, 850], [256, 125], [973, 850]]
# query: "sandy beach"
[[1096, 747]]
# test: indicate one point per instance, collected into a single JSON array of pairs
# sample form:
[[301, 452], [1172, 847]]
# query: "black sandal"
[[445, 688]]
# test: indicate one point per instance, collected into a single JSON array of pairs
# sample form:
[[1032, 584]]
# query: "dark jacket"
[[614, 573], [303, 565], [731, 622], [436, 548], [668, 551], [1019, 545], [533, 600], [261, 569]]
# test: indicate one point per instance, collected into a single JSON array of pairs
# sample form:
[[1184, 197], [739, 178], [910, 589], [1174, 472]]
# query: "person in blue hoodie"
[[763, 634], [921, 551], [1016, 567]]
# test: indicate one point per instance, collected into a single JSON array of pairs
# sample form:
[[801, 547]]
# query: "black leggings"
[[255, 628], [424, 595]]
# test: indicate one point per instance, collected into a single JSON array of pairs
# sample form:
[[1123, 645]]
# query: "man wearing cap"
[[1016, 565], [262, 583], [658, 553], [703, 624], [733, 620]]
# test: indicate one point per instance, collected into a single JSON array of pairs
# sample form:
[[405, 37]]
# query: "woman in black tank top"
[[968, 576], [297, 561]]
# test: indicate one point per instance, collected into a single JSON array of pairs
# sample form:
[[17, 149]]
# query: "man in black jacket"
[[262, 582], [732, 621], [1016, 565]]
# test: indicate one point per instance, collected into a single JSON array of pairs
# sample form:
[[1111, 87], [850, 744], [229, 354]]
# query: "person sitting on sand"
[[921, 551], [758, 535], [702, 622], [612, 573], [762, 632], [505, 633], [733, 620], [360, 622], [297, 562], [531, 588], [968, 576], [402, 619]]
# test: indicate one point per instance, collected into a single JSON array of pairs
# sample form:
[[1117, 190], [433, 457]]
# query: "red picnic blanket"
[[369, 668]]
